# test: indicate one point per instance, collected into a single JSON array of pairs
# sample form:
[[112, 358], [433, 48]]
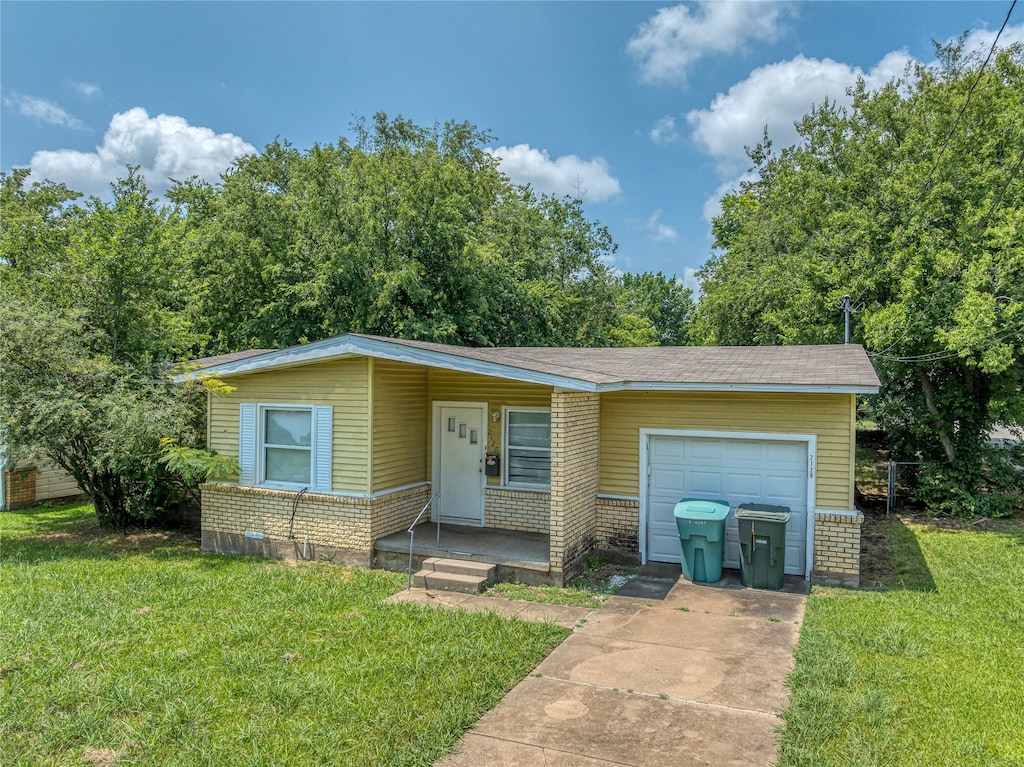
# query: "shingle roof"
[[831, 365], [838, 368], [223, 359]]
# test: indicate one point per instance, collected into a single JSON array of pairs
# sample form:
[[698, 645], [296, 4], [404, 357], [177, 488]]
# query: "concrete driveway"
[[677, 674]]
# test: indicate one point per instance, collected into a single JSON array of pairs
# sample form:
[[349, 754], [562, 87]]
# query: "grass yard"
[[142, 650], [927, 670]]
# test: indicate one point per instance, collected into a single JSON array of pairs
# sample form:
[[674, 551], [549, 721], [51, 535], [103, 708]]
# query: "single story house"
[[342, 442]]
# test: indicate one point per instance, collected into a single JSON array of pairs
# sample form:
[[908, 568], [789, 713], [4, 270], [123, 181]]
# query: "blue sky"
[[644, 107]]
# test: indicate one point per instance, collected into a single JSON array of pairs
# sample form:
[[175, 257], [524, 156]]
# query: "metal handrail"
[[412, 533]]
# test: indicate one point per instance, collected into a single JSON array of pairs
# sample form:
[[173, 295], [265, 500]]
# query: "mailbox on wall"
[[492, 465]]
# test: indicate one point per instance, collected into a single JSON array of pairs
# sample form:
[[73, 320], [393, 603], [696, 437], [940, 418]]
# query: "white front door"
[[459, 467], [729, 469]]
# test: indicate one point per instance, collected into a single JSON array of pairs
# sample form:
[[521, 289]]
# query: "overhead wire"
[[945, 143]]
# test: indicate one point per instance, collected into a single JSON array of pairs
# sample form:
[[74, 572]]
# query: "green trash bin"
[[701, 526], [762, 544]]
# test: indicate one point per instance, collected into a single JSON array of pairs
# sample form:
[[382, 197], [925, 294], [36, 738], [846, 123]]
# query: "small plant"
[[773, 619], [683, 609]]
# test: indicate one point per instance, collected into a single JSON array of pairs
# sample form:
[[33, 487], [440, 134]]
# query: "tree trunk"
[[941, 429]]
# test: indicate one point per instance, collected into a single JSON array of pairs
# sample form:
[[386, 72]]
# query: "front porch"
[[520, 556]]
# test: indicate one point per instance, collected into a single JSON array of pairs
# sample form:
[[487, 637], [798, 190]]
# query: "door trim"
[[435, 469], [812, 460]]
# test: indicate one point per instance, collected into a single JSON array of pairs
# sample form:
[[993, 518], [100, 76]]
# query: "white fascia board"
[[733, 387], [347, 346]]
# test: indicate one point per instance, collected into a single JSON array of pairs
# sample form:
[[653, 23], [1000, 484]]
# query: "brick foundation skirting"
[[618, 530], [257, 520]]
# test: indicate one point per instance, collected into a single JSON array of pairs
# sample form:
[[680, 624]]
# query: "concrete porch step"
[[461, 567], [443, 574]]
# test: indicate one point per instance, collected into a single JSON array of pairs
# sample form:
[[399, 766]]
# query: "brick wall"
[[331, 527], [575, 430], [396, 511], [837, 548], [525, 510], [618, 528], [19, 488]]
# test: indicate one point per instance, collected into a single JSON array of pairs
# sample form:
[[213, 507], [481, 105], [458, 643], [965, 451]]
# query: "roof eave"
[[790, 388], [348, 346]]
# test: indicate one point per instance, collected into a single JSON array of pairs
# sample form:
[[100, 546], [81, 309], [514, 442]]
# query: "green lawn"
[[927, 671], [142, 650]]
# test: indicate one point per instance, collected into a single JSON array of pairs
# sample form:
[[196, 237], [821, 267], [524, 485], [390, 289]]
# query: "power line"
[[963, 108], [924, 188], [939, 356]]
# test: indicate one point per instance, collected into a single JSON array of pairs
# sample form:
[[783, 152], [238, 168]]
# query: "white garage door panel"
[[703, 482], [734, 470]]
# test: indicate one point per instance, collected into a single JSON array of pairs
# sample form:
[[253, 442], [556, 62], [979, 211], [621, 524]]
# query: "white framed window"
[[284, 445], [527, 447]]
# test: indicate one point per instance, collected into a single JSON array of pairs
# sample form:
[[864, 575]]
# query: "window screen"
[[529, 447]]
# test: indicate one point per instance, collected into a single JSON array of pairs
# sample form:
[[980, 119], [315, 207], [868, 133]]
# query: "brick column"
[[837, 548], [575, 431], [19, 488]]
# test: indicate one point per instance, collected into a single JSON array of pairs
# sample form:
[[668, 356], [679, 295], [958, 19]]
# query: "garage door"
[[734, 470]]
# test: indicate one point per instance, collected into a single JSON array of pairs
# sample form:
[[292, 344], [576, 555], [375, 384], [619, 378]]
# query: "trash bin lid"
[[763, 512], [698, 508]]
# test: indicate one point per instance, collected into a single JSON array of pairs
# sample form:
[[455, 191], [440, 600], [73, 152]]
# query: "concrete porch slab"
[[478, 544]]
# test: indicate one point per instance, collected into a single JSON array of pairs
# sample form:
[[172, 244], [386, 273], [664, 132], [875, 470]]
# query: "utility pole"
[[848, 308]]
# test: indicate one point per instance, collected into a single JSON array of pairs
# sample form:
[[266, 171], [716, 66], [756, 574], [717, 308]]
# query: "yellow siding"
[[623, 414], [53, 482], [342, 383], [400, 435], [453, 386]]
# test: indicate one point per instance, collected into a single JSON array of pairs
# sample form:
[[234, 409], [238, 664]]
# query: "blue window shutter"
[[323, 427], [247, 443]]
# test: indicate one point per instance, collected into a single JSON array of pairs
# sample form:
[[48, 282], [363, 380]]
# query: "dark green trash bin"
[[701, 526], [762, 544]]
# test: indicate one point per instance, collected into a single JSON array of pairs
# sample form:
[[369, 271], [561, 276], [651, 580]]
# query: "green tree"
[[664, 302], [405, 231], [89, 324], [912, 201], [100, 421]]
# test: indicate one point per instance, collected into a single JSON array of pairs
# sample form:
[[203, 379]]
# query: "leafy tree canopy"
[[912, 201], [405, 231]]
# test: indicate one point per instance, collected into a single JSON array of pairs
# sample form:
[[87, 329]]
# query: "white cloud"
[[664, 131], [689, 280], [669, 43], [164, 147], [713, 204], [42, 111], [981, 39], [89, 90], [565, 175], [661, 232], [777, 95]]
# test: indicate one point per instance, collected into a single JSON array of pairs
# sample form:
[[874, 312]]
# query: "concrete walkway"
[[561, 615], [695, 677]]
